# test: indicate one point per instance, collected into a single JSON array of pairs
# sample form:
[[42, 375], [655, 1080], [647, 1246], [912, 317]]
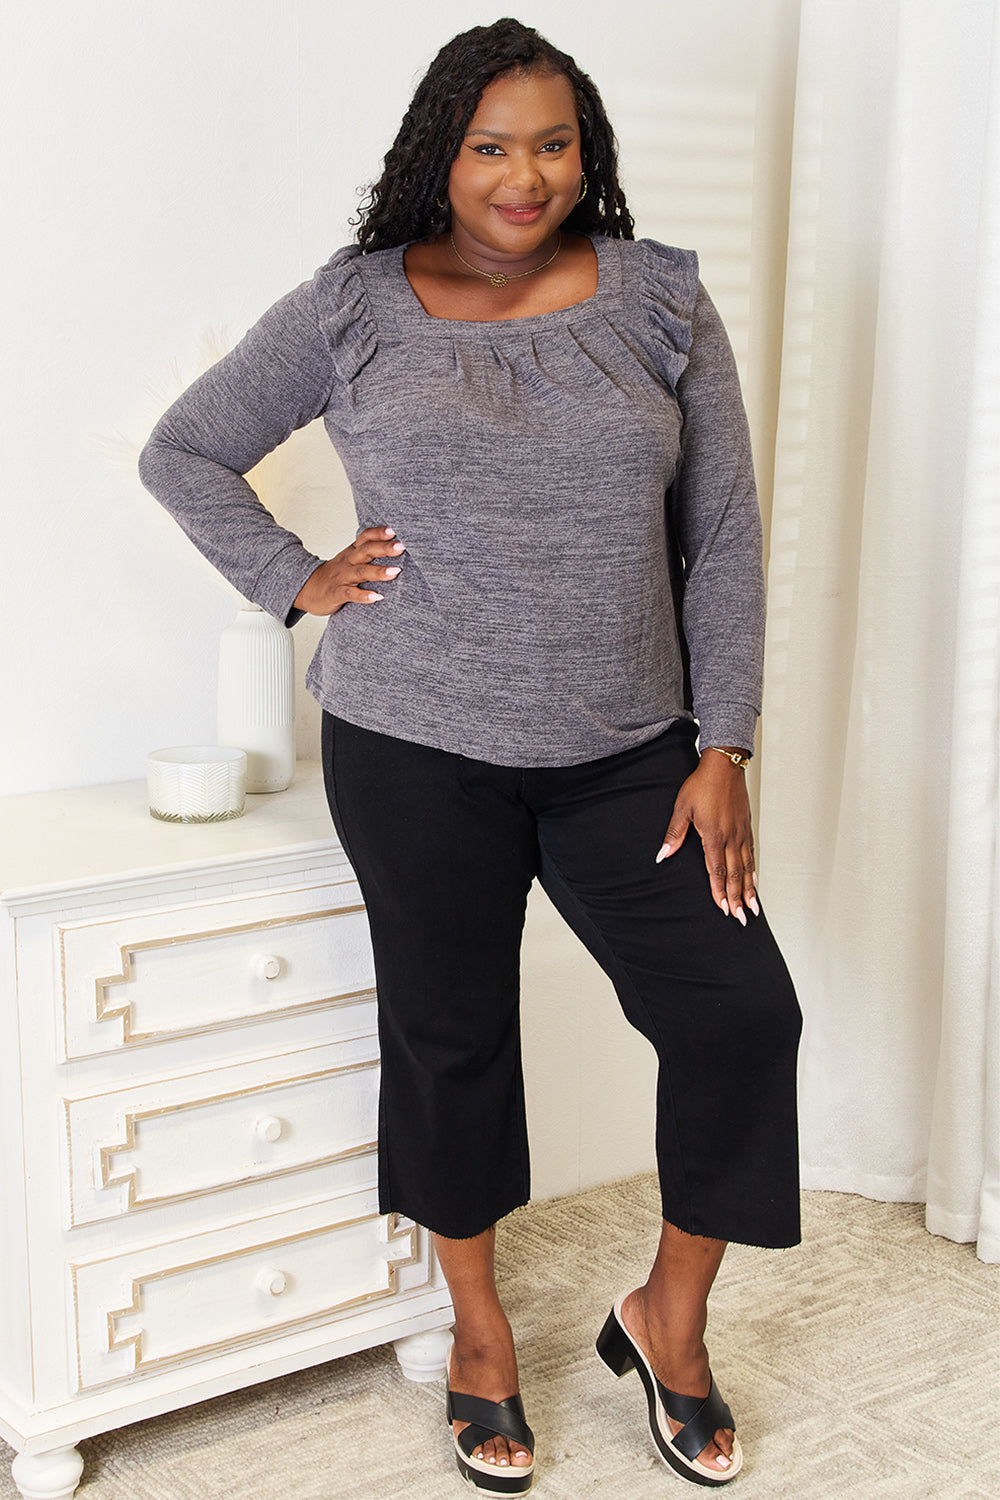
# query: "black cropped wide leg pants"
[[445, 849]]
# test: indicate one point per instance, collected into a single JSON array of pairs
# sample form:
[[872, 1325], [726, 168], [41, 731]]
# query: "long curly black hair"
[[404, 204]]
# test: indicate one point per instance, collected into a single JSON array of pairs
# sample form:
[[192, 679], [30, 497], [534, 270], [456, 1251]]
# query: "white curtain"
[[880, 765]]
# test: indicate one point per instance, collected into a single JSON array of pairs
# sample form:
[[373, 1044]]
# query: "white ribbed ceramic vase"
[[257, 697]]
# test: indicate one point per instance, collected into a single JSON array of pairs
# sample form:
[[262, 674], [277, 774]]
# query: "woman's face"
[[517, 172]]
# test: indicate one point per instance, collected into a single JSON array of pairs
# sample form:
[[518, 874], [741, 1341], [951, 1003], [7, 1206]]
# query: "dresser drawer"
[[145, 977], [142, 1310], [156, 1143]]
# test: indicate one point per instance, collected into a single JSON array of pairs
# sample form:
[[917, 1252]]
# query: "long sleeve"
[[278, 378], [713, 506]]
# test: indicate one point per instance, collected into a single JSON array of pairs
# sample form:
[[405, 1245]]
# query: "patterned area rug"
[[865, 1363]]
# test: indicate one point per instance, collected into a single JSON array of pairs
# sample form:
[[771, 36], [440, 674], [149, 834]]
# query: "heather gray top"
[[524, 465]]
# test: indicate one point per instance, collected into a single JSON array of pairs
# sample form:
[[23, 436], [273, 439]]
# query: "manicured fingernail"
[[740, 915], [389, 531], [724, 907], [663, 853], [752, 903], [376, 596], [397, 547], [393, 572]]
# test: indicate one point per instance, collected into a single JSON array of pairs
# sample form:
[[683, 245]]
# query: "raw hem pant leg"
[[445, 853], [714, 998]]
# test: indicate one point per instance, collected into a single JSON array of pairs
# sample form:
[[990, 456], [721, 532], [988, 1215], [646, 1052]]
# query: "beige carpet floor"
[[865, 1363]]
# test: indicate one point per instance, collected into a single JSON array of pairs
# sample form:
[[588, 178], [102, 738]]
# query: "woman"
[[555, 585]]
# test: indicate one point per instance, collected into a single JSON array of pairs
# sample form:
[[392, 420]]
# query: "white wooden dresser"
[[188, 1088]]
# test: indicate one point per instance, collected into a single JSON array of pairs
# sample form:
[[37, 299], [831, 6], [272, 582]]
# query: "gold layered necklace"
[[500, 278]]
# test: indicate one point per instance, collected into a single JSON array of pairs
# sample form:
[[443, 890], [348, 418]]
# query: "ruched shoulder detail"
[[344, 314], [668, 289]]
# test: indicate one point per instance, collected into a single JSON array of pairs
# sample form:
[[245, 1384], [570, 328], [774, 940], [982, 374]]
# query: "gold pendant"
[[499, 279]]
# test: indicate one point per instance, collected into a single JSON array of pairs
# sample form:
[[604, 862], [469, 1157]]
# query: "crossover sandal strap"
[[495, 1418], [702, 1418]]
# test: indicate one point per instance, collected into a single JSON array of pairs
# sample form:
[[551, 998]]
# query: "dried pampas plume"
[[122, 450]]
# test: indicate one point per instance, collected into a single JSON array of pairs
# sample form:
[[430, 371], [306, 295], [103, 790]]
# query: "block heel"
[[615, 1347]]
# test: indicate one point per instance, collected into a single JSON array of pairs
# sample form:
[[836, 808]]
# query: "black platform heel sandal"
[[702, 1416], [490, 1419]]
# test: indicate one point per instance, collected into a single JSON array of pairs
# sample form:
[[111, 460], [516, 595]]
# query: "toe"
[[503, 1453], [718, 1455], [498, 1451]]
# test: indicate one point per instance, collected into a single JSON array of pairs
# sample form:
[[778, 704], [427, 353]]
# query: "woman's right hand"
[[340, 581]]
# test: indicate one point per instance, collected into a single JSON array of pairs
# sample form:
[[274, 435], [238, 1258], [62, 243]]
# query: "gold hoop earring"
[[583, 187], [440, 204]]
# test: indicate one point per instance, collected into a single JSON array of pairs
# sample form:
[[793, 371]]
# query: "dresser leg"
[[424, 1356], [48, 1476]]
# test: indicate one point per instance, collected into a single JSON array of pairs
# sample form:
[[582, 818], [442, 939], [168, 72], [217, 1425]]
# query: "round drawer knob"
[[270, 1128], [267, 966], [271, 1282]]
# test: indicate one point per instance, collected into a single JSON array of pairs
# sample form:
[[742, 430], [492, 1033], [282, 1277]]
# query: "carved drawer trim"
[[219, 1130], [130, 979], [143, 1311]]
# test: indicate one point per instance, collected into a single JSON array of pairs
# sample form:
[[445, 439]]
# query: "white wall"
[[171, 169]]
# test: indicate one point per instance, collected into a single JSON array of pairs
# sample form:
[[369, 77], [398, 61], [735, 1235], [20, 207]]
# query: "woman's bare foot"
[[486, 1366], [483, 1362], [679, 1359]]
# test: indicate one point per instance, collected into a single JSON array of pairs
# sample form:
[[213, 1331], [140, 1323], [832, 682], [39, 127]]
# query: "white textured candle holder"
[[196, 783]]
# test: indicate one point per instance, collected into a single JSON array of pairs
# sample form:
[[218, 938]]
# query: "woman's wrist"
[[735, 754]]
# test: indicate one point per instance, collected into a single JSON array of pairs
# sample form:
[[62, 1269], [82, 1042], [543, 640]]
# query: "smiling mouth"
[[515, 211]]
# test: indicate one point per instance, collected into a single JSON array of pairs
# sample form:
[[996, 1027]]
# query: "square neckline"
[[417, 308]]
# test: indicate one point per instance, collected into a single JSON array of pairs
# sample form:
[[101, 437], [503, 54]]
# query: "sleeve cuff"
[[728, 724], [279, 581]]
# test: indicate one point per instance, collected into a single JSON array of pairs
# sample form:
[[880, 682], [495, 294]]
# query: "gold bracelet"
[[738, 760]]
